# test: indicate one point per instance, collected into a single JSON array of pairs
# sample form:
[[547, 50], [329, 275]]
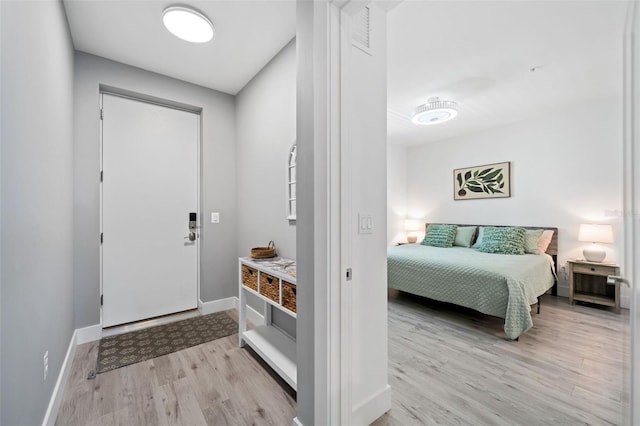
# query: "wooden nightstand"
[[588, 283]]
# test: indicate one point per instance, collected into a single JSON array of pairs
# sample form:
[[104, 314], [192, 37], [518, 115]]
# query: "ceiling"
[[475, 52], [480, 54], [248, 34]]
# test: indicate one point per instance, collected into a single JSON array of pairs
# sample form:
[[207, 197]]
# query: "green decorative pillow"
[[440, 235], [464, 236], [531, 239], [508, 240]]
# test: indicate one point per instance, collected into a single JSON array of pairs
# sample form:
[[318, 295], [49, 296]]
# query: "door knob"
[[191, 236]]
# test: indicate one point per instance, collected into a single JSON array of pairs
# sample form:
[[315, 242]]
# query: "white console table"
[[279, 285]]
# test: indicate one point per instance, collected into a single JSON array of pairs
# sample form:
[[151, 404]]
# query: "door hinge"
[[101, 114], [101, 175], [101, 299], [101, 237]]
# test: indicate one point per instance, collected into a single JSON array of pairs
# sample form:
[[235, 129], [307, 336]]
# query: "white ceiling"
[[248, 34], [479, 54]]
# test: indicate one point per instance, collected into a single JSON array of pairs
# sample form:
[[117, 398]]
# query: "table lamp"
[[594, 234], [411, 226]]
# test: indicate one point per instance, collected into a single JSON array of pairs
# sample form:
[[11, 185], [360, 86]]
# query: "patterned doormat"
[[129, 348]]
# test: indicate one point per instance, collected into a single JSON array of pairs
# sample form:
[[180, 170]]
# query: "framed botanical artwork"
[[488, 181]]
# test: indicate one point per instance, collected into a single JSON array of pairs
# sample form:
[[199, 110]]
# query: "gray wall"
[[266, 130], [36, 193], [218, 277]]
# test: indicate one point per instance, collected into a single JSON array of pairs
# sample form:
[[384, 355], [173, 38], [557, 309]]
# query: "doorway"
[[149, 205]]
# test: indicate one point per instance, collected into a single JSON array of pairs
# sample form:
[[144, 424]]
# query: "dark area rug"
[[129, 348]]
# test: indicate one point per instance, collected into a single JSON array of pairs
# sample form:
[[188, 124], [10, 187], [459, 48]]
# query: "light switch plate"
[[215, 217], [365, 223]]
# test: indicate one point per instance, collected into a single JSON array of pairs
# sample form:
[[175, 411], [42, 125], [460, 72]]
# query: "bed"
[[500, 285]]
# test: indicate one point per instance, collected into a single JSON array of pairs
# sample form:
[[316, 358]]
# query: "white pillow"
[[531, 241], [545, 240]]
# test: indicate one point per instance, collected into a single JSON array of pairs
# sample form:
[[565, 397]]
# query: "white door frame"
[[324, 219], [126, 94], [631, 165]]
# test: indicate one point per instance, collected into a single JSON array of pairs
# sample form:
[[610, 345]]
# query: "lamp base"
[[594, 253], [411, 239]]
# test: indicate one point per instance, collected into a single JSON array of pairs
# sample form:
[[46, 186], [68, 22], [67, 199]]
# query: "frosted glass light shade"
[[187, 24], [592, 233]]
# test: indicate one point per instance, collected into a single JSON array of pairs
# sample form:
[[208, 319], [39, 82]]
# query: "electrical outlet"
[[45, 360]]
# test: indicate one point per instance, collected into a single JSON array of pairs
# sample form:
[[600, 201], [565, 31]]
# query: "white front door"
[[150, 185]]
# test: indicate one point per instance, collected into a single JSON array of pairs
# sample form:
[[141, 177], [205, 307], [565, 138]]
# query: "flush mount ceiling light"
[[434, 111], [187, 24]]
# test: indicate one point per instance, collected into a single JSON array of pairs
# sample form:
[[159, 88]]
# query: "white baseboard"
[[217, 305], [375, 406], [58, 391], [230, 303], [296, 422], [88, 334]]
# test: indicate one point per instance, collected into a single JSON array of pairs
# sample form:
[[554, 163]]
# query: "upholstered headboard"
[[552, 250]]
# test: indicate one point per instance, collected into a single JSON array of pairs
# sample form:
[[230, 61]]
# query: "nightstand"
[[588, 283]]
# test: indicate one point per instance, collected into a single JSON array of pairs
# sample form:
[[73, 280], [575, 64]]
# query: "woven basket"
[[250, 277], [264, 252], [289, 296], [270, 287]]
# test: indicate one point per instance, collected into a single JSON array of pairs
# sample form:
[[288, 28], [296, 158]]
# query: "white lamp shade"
[[593, 233], [413, 225]]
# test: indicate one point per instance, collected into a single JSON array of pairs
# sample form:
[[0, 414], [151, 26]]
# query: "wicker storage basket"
[[264, 252], [270, 287], [289, 296], [250, 277]]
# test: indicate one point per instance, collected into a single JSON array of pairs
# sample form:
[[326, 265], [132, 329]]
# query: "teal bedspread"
[[495, 284]]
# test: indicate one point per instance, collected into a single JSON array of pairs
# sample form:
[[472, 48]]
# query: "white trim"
[[217, 305], [369, 410], [297, 422], [88, 334], [229, 303], [58, 391]]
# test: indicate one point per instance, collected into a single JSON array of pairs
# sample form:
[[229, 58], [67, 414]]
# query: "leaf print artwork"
[[490, 181]]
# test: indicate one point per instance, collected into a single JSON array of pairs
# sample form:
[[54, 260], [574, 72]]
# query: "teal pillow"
[[440, 235], [508, 240], [464, 236]]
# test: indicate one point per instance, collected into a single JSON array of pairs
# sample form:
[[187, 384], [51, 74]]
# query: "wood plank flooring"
[[215, 383], [449, 365]]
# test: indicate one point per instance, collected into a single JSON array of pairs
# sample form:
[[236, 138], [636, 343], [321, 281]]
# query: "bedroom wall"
[[396, 193], [36, 197], [218, 266], [566, 169], [265, 131]]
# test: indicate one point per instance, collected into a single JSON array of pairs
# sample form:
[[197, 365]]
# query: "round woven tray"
[[264, 252]]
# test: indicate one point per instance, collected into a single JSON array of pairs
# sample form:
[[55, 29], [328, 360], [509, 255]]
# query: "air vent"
[[361, 34]]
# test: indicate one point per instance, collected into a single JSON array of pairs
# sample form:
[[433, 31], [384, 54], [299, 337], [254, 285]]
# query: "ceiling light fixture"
[[434, 111], [187, 24]]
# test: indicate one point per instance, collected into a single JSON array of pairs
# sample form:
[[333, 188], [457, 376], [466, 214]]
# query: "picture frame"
[[480, 182]]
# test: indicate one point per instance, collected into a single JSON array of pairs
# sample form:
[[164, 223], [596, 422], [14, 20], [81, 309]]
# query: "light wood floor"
[[215, 383], [448, 365]]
